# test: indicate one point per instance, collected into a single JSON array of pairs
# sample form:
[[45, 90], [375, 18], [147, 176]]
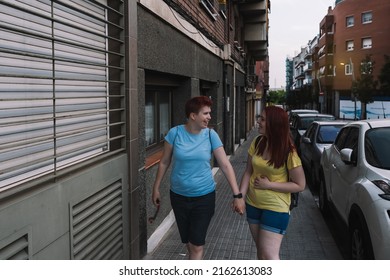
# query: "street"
[[336, 227]]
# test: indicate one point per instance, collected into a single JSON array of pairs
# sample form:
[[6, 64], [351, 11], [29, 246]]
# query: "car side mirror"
[[346, 156]]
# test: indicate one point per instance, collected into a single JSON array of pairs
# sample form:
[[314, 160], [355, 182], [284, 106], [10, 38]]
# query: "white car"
[[355, 181]]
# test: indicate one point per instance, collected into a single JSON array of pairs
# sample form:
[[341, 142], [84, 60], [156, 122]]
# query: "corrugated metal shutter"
[[56, 94], [96, 225]]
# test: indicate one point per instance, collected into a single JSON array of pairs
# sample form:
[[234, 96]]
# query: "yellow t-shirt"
[[269, 199]]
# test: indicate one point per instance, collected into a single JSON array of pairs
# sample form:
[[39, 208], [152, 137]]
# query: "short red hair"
[[196, 103]]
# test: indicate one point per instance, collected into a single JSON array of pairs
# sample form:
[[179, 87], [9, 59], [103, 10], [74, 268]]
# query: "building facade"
[[89, 88], [349, 33], [209, 48]]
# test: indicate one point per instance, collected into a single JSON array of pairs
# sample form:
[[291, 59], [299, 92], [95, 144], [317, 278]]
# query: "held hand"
[[239, 205], [261, 182]]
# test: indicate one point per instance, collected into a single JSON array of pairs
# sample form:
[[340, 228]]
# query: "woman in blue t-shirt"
[[192, 193]]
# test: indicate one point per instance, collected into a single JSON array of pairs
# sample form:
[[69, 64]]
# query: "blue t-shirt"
[[191, 170]]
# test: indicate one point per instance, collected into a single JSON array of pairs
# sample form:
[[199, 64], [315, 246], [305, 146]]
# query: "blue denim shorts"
[[268, 220], [193, 216]]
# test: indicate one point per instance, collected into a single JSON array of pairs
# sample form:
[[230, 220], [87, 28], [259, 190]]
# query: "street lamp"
[[353, 80]]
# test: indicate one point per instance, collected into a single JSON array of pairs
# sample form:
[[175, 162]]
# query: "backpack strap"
[[257, 141], [211, 144], [174, 139]]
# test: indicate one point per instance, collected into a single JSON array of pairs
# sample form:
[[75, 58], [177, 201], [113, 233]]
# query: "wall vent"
[[96, 225], [17, 249]]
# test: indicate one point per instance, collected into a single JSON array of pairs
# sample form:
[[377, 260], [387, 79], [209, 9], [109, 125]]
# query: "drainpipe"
[[234, 107], [225, 103]]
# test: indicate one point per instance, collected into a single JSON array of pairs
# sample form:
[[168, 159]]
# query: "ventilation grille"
[[16, 250], [97, 228]]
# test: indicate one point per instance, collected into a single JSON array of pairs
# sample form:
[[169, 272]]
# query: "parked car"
[[355, 182], [300, 122], [300, 111], [318, 136]]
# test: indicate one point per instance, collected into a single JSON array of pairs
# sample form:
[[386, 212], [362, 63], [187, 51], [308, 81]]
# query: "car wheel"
[[360, 242], [322, 199]]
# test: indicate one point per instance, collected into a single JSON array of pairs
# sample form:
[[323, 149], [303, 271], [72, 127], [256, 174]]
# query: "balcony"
[[255, 19], [308, 67]]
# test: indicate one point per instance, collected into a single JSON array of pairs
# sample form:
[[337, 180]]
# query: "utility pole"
[[353, 93]]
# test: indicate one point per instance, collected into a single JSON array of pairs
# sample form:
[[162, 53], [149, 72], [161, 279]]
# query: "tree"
[[364, 87], [276, 97]]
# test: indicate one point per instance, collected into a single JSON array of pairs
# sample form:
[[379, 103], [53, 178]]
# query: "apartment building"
[[299, 77], [349, 33], [89, 88]]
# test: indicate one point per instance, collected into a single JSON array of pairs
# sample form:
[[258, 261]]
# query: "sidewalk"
[[228, 237]]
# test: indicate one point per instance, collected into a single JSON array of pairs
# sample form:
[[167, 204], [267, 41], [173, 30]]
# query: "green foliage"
[[384, 76], [365, 86], [299, 98], [276, 97]]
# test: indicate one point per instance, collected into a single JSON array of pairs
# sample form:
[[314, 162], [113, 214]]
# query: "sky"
[[292, 24]]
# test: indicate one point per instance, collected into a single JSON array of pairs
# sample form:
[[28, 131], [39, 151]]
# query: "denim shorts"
[[268, 220], [193, 216]]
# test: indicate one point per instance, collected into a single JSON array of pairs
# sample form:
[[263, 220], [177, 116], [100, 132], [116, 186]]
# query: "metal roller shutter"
[[58, 93]]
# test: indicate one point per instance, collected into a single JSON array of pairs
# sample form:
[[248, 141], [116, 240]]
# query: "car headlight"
[[385, 187]]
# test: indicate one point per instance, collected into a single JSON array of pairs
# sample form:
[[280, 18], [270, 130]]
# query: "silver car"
[[318, 136], [300, 122], [355, 181]]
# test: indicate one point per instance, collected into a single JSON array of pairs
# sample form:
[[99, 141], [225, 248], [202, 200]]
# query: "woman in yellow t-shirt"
[[267, 183]]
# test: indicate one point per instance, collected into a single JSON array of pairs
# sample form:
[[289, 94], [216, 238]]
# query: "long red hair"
[[277, 136]]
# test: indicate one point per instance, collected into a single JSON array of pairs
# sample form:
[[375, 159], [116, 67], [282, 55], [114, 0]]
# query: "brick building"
[[349, 33]]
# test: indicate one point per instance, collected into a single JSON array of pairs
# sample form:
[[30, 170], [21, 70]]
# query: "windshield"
[[376, 147], [327, 133], [306, 120]]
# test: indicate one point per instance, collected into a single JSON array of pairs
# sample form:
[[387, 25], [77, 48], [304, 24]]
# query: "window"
[[347, 138], [366, 17], [366, 43], [366, 67], [157, 116], [60, 101], [350, 45], [350, 21], [329, 49], [222, 7], [321, 51], [376, 141], [322, 70], [327, 133], [348, 69]]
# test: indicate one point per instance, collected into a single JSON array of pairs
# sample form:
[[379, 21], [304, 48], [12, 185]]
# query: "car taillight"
[[385, 187]]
